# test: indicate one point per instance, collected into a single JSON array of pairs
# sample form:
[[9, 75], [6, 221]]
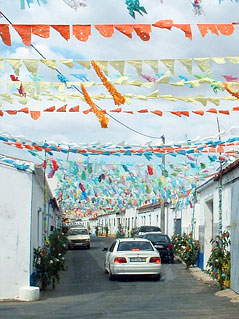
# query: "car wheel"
[[157, 277], [111, 277], [88, 247]]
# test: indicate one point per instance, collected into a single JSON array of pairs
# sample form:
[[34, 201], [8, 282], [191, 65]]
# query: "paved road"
[[85, 292]]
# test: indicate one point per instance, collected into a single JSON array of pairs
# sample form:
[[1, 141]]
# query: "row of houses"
[[203, 217], [27, 218]]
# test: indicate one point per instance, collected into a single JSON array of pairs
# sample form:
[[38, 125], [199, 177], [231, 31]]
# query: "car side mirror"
[[105, 249]]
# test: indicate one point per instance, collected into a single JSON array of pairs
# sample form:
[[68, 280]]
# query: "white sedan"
[[132, 256]]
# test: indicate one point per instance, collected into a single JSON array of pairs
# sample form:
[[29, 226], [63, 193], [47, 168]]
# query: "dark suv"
[[147, 229], [163, 244]]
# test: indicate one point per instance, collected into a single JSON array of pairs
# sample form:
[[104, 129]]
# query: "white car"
[[78, 237], [132, 256]]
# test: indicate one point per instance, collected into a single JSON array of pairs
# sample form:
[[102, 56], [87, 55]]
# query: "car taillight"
[[135, 249], [170, 246], [156, 260], [120, 260]]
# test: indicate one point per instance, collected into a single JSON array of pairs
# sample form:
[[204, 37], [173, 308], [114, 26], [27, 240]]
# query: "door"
[[208, 231], [235, 237]]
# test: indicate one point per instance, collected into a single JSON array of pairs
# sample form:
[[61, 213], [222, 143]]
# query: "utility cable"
[[76, 88]]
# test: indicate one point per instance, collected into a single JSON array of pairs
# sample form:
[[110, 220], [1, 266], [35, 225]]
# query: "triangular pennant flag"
[[106, 30], [35, 114], [25, 32], [68, 62], [50, 109], [82, 32], [118, 65], [31, 65], [154, 95], [186, 113], [11, 112], [157, 112], [178, 113], [5, 34], [226, 29], [220, 149], [226, 112], [187, 63], [118, 110], [143, 111], [126, 29], [85, 64], [219, 60], [153, 64], [41, 30], [1, 113], [186, 28], [169, 63], [143, 31], [199, 112], [137, 64], [62, 109], [129, 112], [212, 110], [50, 63], [233, 60], [24, 110], [74, 108], [164, 24], [87, 111], [15, 64], [204, 28], [164, 79], [64, 30], [236, 108], [103, 65], [203, 64], [1, 64]]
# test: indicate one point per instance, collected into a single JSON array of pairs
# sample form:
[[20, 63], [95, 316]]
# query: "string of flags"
[[83, 32]]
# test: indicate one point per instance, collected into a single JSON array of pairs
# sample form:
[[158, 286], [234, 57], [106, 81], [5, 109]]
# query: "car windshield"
[[157, 237], [78, 232], [147, 229], [134, 246]]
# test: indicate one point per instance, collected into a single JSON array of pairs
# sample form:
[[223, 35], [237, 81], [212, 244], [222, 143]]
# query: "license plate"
[[138, 259], [159, 246]]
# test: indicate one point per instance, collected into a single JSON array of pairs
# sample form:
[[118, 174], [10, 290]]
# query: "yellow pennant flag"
[[23, 100], [187, 63], [153, 64], [154, 95], [135, 83], [103, 65], [219, 60], [60, 87], [137, 64], [68, 62], [1, 64], [43, 87], [234, 60], [203, 64], [169, 63], [31, 65], [85, 64], [164, 79], [118, 66], [50, 63], [15, 64]]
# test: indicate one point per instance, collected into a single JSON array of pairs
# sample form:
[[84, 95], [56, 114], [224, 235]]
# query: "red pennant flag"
[[1, 113], [129, 112], [107, 30], [150, 170], [220, 149], [212, 111], [50, 109], [186, 28], [41, 30], [25, 32], [176, 113], [35, 115], [164, 24], [118, 110], [226, 29], [157, 112], [29, 147], [236, 108], [55, 165], [186, 113], [204, 28], [24, 110], [199, 112], [74, 109], [126, 29], [143, 111], [143, 31], [226, 112], [5, 34], [62, 109], [64, 30], [87, 111], [82, 32], [11, 112]]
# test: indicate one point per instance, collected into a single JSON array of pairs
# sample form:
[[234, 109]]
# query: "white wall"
[[15, 220]]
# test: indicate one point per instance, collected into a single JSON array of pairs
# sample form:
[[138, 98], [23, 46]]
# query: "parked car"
[[163, 244], [146, 229], [78, 237], [132, 256]]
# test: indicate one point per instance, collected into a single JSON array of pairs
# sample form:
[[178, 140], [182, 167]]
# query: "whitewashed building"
[[24, 225]]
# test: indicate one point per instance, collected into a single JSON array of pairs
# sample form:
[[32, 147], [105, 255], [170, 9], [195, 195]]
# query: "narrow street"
[[85, 291]]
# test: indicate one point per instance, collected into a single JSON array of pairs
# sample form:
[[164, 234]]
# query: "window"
[[112, 246], [157, 219], [135, 245], [157, 238]]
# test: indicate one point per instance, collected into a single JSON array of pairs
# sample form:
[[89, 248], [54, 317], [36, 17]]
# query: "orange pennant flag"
[[41, 30], [157, 112], [1, 113], [25, 32], [212, 111], [186, 28], [204, 28], [74, 108], [50, 109], [62, 109], [35, 115], [118, 110], [87, 111], [64, 30], [107, 30], [28, 147], [212, 149], [198, 112], [226, 29], [143, 31], [11, 112], [126, 29], [24, 110], [176, 113], [143, 111], [82, 32], [236, 108], [220, 149], [164, 24], [5, 34], [186, 113], [226, 112], [129, 112]]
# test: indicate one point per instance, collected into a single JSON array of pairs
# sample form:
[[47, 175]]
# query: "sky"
[[163, 44]]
